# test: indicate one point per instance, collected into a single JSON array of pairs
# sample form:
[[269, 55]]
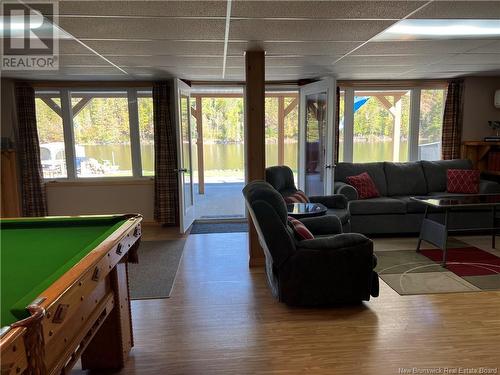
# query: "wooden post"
[[396, 133], [254, 137], [281, 130], [198, 115]]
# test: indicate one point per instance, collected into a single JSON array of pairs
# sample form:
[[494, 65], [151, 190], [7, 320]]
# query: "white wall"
[[92, 197]]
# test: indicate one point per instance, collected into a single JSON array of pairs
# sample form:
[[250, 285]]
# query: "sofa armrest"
[[488, 187], [337, 241], [331, 201], [346, 190], [323, 225]]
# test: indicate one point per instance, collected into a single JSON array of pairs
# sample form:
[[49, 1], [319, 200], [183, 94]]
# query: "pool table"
[[64, 292]]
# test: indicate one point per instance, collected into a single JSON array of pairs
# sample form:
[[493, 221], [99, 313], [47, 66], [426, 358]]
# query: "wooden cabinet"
[[10, 205], [484, 156]]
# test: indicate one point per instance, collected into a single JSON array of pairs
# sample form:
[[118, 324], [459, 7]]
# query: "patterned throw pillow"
[[464, 181], [300, 230], [298, 197], [364, 184]]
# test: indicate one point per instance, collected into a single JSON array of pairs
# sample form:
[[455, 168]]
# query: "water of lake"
[[229, 157]]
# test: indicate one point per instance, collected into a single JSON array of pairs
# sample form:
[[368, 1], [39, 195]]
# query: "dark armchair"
[[331, 269], [281, 178]]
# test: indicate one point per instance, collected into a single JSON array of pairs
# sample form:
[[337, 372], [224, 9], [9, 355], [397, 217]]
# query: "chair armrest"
[[334, 242], [330, 201], [488, 187], [346, 190], [323, 225]]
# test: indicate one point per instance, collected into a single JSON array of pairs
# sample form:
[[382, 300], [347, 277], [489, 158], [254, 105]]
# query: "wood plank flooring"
[[221, 319]]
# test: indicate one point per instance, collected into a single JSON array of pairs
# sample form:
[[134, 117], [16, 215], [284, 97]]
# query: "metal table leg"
[[493, 225], [420, 235], [445, 248]]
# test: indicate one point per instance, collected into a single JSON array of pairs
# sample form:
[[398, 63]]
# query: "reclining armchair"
[[281, 178], [331, 269]]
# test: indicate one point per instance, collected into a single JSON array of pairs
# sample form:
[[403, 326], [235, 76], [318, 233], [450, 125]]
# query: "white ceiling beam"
[[226, 36]]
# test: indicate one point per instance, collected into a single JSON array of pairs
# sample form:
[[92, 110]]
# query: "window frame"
[[414, 116], [132, 94]]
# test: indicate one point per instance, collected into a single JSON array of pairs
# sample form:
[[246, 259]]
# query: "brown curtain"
[[337, 123], [452, 121], [166, 209], [34, 200]]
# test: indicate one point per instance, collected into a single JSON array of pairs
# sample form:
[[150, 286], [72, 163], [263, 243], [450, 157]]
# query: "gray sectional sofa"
[[394, 212]]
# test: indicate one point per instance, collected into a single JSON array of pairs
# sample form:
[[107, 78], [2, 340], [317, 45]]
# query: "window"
[[386, 126], [51, 135], [431, 124], [105, 132], [282, 129], [381, 120], [146, 133]]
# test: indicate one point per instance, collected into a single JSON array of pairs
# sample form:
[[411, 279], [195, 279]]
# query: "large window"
[[95, 133], [391, 124]]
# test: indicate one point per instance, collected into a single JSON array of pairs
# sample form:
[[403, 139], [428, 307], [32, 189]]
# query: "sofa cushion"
[[375, 170], [414, 207], [435, 172], [374, 206], [462, 181], [364, 185], [405, 179]]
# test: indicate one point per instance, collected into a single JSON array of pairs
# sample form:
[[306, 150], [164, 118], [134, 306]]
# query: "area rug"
[[469, 269], [154, 275], [200, 227]]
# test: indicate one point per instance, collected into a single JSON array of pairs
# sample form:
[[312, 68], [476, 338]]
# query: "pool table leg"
[[110, 347]]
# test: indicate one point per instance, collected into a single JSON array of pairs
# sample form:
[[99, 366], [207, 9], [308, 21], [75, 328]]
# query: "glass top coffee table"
[[301, 210], [436, 232]]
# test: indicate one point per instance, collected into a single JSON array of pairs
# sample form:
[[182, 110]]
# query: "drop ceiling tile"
[[179, 61], [460, 9], [293, 48], [458, 68], [144, 8], [375, 69], [304, 30], [420, 47], [278, 61], [490, 47], [473, 58], [116, 28], [155, 47], [353, 60], [324, 9]]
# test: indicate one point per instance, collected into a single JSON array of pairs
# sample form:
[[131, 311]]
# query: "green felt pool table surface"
[[36, 252]]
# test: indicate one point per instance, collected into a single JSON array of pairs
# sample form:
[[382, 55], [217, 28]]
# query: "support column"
[[396, 134], [197, 113], [281, 130], [254, 137]]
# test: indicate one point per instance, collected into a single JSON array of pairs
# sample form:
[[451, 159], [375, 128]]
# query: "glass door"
[[316, 137], [184, 155]]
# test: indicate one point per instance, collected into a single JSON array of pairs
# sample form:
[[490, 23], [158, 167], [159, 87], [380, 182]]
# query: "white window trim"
[[68, 132], [414, 118]]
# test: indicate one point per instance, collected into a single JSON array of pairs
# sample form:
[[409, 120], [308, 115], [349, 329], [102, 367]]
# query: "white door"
[[184, 155], [316, 137]]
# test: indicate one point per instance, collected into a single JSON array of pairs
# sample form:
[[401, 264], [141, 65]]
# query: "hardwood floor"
[[221, 318]]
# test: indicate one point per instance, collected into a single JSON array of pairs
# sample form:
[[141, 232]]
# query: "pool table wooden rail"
[[85, 313]]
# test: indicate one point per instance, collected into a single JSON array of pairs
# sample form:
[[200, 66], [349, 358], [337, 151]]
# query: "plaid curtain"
[[166, 209], [34, 200], [452, 121], [337, 123]]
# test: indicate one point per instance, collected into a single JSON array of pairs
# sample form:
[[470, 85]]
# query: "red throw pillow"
[[298, 197], [465, 181], [300, 230], [364, 184]]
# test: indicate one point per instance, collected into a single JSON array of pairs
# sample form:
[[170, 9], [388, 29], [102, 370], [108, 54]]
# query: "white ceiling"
[[302, 39]]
